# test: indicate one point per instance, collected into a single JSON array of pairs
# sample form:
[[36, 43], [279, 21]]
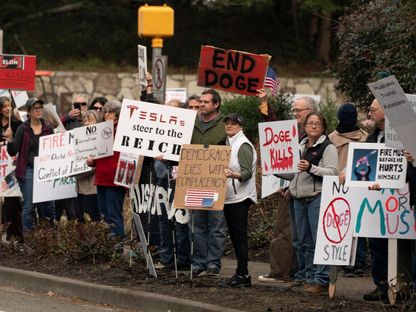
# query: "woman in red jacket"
[[110, 196]]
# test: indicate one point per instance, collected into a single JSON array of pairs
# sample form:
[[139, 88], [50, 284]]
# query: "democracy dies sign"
[[371, 163], [232, 71], [152, 129], [201, 182], [279, 146], [17, 72]]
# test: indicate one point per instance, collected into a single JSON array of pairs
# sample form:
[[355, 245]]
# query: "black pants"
[[12, 213], [236, 216], [379, 255]]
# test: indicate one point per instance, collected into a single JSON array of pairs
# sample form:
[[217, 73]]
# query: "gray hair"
[[113, 106], [4, 99], [91, 113], [310, 102]]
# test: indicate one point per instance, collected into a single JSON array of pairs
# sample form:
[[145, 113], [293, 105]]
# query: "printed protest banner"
[[17, 72], [279, 146], [397, 109], [55, 189], [126, 170], [95, 140], [20, 97], [335, 225], [391, 138], [152, 130], [231, 70], [371, 163], [175, 94], [9, 186], [142, 64], [201, 182], [270, 184]]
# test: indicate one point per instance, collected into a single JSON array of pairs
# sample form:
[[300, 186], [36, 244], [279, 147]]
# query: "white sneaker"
[[269, 279]]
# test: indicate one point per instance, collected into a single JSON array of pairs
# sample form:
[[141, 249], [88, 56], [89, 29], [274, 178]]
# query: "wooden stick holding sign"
[[232, 71], [201, 183]]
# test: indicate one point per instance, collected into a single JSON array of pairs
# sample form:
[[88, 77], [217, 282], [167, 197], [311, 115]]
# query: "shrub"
[[329, 109]]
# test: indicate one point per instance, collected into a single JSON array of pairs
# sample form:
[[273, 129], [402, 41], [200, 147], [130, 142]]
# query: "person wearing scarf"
[[25, 143]]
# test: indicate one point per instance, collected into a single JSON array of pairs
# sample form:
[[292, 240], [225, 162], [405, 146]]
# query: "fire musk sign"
[[232, 71], [17, 72]]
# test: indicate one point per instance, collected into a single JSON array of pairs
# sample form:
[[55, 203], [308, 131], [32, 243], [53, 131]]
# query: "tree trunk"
[[324, 41]]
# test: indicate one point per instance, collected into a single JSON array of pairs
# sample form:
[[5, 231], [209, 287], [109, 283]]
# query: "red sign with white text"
[[232, 71], [17, 72]]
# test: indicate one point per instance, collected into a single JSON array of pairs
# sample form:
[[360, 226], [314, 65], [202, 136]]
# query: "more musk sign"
[[231, 70]]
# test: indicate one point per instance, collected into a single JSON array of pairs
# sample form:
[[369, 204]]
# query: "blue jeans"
[[110, 205], [307, 217], [46, 209], [208, 239], [181, 236], [300, 275]]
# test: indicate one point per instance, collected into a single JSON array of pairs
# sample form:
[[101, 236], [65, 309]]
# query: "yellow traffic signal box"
[[155, 21]]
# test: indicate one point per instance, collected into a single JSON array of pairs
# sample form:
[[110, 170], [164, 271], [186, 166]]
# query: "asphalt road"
[[13, 300]]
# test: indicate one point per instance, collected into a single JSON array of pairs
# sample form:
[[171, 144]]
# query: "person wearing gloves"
[[240, 194]]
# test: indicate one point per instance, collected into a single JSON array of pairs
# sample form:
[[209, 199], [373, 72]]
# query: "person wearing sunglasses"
[[97, 104], [73, 118]]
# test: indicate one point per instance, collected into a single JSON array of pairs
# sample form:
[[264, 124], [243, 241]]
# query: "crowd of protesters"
[[291, 250]]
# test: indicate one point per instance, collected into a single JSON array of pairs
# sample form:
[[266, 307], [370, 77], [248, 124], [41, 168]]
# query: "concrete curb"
[[144, 301]]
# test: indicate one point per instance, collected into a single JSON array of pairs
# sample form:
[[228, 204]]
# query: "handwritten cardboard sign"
[[231, 70], [279, 146], [153, 130], [371, 163], [397, 109], [55, 189], [201, 182], [17, 72], [8, 182]]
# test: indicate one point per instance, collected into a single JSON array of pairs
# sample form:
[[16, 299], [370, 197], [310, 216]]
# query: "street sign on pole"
[[159, 67]]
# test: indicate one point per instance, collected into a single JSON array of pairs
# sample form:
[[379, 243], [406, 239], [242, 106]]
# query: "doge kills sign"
[[200, 183], [232, 71]]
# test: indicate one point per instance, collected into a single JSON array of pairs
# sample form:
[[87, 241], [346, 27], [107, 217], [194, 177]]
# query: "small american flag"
[[199, 198], [272, 81]]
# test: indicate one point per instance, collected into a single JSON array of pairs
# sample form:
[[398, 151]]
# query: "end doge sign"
[[232, 71]]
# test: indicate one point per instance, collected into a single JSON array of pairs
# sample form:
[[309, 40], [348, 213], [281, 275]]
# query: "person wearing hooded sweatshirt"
[[347, 131]]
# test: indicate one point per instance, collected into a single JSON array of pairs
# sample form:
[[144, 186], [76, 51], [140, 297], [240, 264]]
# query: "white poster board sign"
[[397, 109], [126, 170], [4, 92], [279, 146], [391, 138], [142, 65], [9, 186], [153, 130], [371, 163], [20, 97], [175, 94], [55, 189], [335, 226], [270, 184]]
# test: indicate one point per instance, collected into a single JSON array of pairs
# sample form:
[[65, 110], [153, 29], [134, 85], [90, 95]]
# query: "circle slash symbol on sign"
[[159, 73], [337, 220], [106, 133]]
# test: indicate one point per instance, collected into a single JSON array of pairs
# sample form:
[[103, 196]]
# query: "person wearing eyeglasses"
[[319, 157], [25, 143], [73, 119]]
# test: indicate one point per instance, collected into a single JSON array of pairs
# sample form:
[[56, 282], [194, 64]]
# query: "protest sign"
[[95, 140], [149, 196], [270, 184], [201, 182], [4, 92], [335, 225], [391, 138], [159, 68], [279, 146], [126, 170], [297, 96], [142, 65], [55, 189], [231, 70], [20, 97], [152, 129], [9, 186], [371, 163], [53, 117], [175, 94], [17, 72], [397, 109]]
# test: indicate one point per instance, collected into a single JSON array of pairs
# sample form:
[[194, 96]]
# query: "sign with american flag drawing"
[[201, 182]]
